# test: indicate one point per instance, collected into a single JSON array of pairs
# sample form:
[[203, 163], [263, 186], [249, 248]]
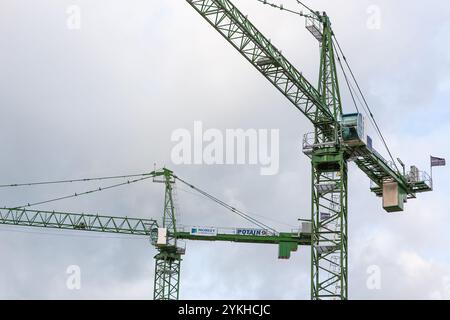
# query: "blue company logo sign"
[[203, 231], [252, 232]]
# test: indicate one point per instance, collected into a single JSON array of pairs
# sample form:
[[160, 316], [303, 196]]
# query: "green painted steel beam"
[[75, 221]]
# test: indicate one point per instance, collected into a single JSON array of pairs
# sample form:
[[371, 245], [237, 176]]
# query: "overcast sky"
[[104, 100]]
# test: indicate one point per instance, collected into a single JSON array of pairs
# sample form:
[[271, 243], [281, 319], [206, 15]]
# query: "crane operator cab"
[[353, 130]]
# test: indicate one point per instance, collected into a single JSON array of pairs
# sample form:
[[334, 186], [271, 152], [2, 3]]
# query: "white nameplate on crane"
[[202, 231], [162, 237], [252, 232]]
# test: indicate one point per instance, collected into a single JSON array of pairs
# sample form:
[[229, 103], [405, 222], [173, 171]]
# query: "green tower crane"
[[163, 235], [337, 139]]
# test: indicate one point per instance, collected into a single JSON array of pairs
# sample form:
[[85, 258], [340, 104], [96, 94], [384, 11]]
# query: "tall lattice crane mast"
[[168, 260], [329, 260]]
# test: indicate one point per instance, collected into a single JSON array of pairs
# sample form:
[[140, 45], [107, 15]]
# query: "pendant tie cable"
[[229, 207], [251, 213], [74, 195], [28, 184]]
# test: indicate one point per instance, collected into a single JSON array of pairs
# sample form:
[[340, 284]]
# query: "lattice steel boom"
[[76, 221]]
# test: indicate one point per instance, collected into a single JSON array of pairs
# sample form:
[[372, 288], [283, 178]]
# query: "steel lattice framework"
[[168, 260], [262, 54], [329, 185], [76, 221]]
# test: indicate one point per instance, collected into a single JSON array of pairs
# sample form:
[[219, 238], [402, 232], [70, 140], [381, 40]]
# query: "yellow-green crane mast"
[[337, 139]]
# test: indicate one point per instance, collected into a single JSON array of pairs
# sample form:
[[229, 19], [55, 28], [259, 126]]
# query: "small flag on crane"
[[437, 162]]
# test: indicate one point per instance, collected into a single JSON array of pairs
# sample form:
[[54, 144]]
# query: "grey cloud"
[[105, 100]]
